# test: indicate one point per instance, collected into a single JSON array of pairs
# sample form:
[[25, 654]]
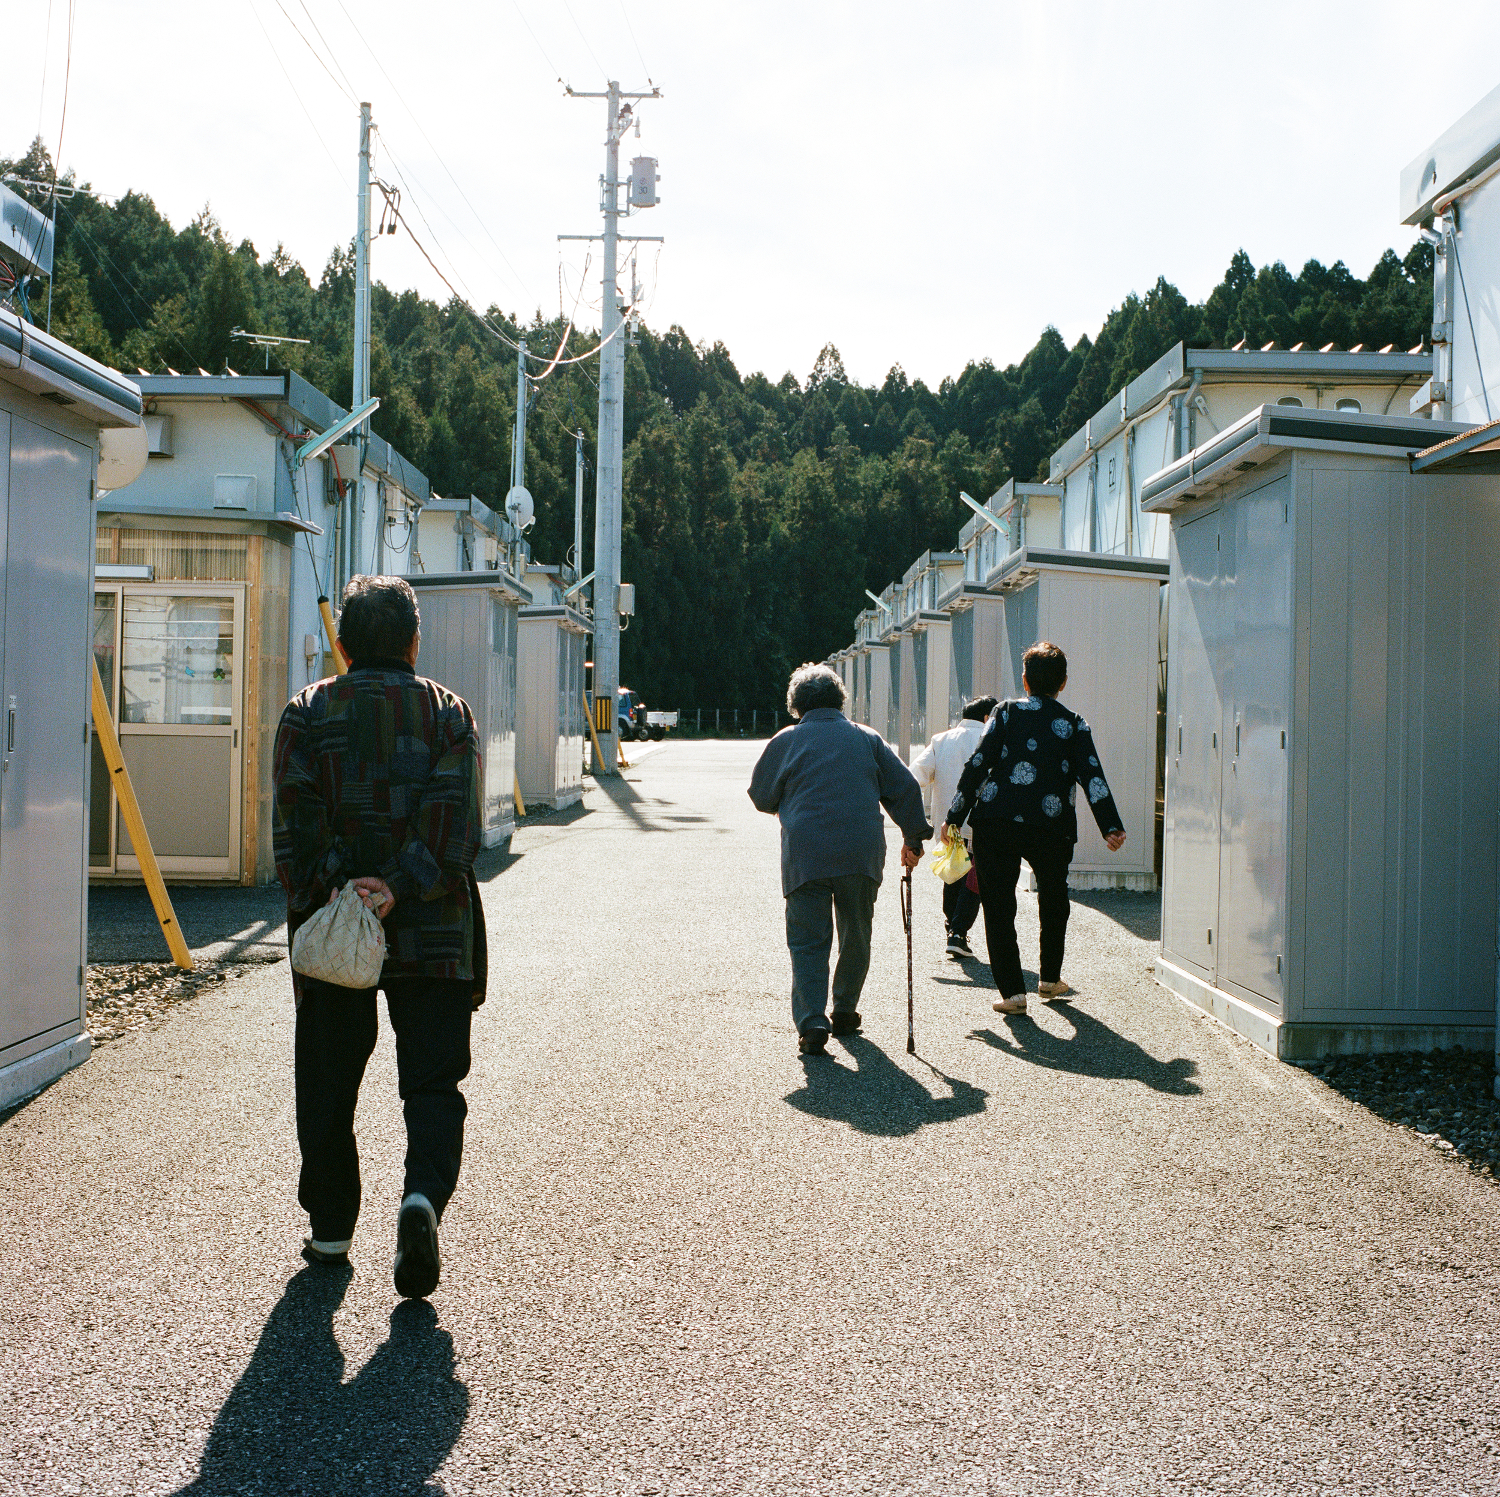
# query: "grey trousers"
[[811, 910]]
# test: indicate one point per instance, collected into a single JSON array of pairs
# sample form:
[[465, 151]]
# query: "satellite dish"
[[122, 456], [519, 509]]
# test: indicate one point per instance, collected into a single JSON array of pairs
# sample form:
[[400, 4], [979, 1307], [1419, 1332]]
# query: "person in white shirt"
[[939, 765]]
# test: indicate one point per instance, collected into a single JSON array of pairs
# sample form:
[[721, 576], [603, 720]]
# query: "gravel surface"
[[1446, 1099], [124, 996], [1105, 1248]]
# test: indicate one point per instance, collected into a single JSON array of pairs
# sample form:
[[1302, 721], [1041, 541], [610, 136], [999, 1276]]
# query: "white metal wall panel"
[[48, 546], [878, 700], [1190, 870], [1257, 569]]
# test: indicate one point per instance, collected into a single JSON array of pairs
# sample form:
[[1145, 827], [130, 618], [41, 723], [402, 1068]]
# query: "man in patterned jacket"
[[377, 781], [1017, 794]]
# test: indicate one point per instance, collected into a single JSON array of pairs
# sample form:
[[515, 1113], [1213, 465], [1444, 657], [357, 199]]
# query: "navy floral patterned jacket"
[[1033, 757]]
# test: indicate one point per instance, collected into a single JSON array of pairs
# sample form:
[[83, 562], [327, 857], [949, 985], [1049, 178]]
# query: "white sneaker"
[[1016, 1005]]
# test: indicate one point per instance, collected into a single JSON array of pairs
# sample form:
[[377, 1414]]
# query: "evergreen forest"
[[756, 510]]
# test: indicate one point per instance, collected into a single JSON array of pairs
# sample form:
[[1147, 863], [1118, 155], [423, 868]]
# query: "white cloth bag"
[[344, 943]]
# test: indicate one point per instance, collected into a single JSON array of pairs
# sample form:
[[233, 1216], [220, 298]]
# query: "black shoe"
[[846, 1023], [959, 945], [812, 1041], [417, 1263]]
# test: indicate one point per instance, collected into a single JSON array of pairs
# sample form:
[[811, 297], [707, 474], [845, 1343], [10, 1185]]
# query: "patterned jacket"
[[1033, 756], [377, 774]]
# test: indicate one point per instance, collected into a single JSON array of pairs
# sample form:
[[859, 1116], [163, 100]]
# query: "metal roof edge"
[[1275, 426], [1476, 450], [42, 364], [491, 581], [1463, 150], [1282, 362], [213, 386], [1046, 559]]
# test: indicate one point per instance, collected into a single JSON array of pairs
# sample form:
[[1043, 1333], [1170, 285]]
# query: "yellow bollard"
[[333, 642], [104, 726]]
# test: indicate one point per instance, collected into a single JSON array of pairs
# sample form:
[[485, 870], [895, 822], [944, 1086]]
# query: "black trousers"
[[336, 1030], [998, 853], [960, 907]]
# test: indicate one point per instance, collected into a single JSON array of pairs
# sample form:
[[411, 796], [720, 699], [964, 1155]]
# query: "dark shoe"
[[334, 1254], [812, 1041], [846, 1023], [959, 945], [417, 1263]]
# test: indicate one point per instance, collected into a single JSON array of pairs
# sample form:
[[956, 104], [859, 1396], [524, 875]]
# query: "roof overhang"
[[1459, 154], [1025, 565], [235, 519], [1474, 451], [477, 582], [46, 366], [1259, 435]]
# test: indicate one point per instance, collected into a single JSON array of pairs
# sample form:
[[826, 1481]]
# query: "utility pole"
[[518, 452], [578, 503], [353, 505], [609, 469]]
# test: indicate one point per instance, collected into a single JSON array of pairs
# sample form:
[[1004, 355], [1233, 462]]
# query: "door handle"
[[10, 730]]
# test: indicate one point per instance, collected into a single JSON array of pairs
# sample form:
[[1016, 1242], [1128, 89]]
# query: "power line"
[[540, 48], [579, 29], [317, 56], [401, 98], [636, 44], [41, 103], [296, 94], [333, 54]]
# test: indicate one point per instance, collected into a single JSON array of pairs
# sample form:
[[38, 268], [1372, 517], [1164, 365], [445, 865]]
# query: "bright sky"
[[923, 183]]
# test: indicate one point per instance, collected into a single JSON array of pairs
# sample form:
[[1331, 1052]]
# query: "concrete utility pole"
[[609, 470], [518, 441], [354, 488], [578, 504]]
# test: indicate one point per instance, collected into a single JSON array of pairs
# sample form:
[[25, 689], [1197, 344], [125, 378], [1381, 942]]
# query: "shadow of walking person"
[[291, 1424], [1094, 1050], [880, 1097]]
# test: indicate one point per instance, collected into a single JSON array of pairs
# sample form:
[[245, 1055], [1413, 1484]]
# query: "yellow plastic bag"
[[950, 861]]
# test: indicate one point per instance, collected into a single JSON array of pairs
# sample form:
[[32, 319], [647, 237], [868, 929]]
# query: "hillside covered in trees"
[[756, 510]]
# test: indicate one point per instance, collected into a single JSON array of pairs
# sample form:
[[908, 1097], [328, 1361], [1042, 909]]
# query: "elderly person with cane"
[[827, 778], [1017, 794]]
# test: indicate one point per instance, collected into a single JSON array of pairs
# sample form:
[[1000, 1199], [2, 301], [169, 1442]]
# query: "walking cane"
[[911, 1031]]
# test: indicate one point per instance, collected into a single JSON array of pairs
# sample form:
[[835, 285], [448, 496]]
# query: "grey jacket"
[[827, 778]]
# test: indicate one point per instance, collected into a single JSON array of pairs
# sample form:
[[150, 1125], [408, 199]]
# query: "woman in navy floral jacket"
[[1017, 795]]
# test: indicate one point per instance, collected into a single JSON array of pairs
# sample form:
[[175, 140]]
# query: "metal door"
[[961, 675], [181, 698], [1190, 872], [101, 791], [919, 648], [1257, 571], [44, 707]]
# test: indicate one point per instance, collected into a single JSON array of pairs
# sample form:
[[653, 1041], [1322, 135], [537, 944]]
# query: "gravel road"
[[1105, 1249]]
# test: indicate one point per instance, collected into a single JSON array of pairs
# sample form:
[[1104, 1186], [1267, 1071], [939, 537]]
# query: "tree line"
[[756, 512]]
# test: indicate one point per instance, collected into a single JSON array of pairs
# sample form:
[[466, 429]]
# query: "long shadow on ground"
[[292, 1425], [1140, 914], [880, 1097], [1094, 1050]]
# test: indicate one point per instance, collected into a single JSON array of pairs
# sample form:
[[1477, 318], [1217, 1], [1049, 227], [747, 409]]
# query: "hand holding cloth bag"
[[343, 943]]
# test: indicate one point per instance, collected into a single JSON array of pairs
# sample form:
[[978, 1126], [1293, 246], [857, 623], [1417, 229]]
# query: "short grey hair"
[[814, 686]]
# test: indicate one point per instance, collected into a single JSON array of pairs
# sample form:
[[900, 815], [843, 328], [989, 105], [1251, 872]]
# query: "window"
[[1348, 405], [177, 660], [1289, 400]]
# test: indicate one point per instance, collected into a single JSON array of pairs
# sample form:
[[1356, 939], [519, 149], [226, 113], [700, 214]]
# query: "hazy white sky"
[[922, 183]]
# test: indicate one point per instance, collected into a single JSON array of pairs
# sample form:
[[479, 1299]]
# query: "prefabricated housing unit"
[[1182, 401], [54, 405], [551, 649], [206, 621], [470, 622], [1104, 612], [1330, 837], [926, 663]]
